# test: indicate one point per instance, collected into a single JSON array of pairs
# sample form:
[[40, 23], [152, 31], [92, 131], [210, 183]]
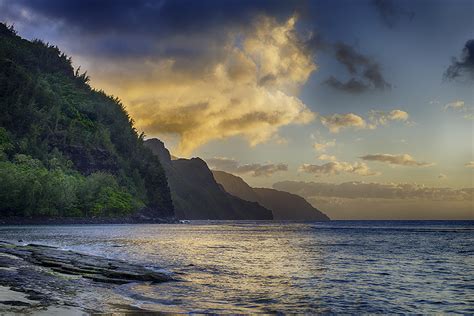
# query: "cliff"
[[235, 186], [284, 205], [197, 195]]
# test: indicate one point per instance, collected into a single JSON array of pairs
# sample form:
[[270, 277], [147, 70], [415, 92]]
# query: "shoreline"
[[7, 221], [44, 279]]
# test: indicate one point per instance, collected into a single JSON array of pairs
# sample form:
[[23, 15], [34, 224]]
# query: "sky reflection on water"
[[287, 267]]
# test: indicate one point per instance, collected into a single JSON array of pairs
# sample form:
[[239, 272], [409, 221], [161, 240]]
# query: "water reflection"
[[290, 267]]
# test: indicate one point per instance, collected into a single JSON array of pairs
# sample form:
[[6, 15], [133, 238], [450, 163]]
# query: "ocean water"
[[249, 267]]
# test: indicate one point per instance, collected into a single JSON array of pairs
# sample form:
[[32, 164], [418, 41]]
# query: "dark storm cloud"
[[146, 16], [365, 71], [391, 13], [122, 28], [351, 86], [464, 66], [351, 59], [192, 33]]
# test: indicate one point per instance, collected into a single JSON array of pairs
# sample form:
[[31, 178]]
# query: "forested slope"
[[65, 148]]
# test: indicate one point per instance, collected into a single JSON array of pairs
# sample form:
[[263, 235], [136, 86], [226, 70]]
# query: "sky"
[[365, 108]]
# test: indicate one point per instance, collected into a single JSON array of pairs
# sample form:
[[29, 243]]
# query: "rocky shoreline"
[[35, 278]]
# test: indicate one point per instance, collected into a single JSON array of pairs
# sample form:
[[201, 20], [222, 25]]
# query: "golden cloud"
[[337, 167], [249, 91], [327, 157], [460, 106], [255, 169], [455, 105], [382, 118], [323, 145], [402, 160], [337, 122]]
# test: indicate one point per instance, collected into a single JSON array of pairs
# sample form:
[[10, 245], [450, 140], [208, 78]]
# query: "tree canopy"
[[65, 148]]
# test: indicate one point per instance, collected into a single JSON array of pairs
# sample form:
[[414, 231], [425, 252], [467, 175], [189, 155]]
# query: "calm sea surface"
[[247, 267]]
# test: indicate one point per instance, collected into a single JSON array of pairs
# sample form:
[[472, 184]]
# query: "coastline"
[[6, 221], [44, 279]]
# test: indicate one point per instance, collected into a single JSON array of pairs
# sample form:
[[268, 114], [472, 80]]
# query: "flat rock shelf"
[[50, 277]]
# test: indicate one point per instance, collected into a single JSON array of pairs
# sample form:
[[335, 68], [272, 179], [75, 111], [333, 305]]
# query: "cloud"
[[382, 118], [336, 168], [229, 97], [213, 70], [327, 157], [469, 116], [402, 160], [455, 105], [392, 209], [365, 71], [351, 86], [469, 164], [464, 66], [143, 20], [357, 189], [337, 122], [362, 200], [255, 169], [322, 146], [442, 176], [391, 13], [460, 106]]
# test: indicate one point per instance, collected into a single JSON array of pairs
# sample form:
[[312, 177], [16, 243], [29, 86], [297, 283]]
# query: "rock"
[[143, 276], [41, 246], [70, 269], [99, 278], [15, 303], [48, 263], [95, 268], [84, 281], [61, 270]]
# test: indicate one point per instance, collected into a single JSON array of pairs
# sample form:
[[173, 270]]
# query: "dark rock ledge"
[[52, 277]]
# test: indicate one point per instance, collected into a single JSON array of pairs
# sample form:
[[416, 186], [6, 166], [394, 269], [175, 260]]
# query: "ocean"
[[268, 267]]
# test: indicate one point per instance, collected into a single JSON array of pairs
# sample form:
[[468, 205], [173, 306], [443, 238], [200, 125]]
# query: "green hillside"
[[65, 148]]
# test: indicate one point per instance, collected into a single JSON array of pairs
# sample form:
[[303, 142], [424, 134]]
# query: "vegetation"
[[65, 148]]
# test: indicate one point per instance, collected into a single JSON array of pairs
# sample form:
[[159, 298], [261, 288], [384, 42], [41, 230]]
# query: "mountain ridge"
[[196, 194], [284, 205]]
